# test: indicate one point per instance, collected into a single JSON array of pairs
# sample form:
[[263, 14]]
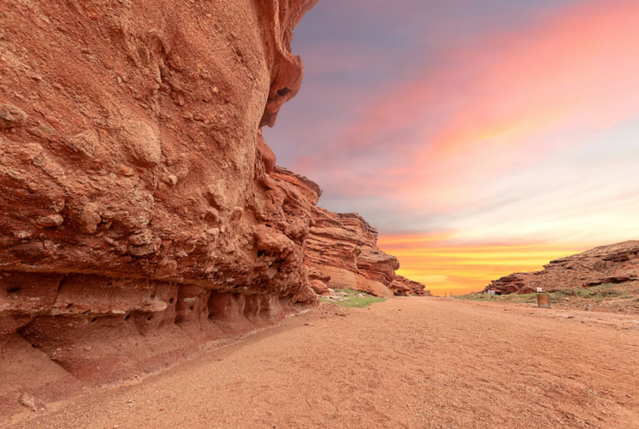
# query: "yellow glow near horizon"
[[462, 269]]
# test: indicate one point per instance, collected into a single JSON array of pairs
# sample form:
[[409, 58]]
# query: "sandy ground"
[[405, 363]]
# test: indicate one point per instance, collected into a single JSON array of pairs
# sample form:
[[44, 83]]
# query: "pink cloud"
[[491, 110]]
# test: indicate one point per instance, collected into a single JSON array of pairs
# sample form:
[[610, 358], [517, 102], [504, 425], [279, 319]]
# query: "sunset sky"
[[480, 137]]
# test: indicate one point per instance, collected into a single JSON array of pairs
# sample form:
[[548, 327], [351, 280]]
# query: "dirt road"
[[405, 363]]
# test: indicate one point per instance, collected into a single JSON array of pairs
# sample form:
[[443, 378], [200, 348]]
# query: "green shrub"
[[353, 300], [566, 292]]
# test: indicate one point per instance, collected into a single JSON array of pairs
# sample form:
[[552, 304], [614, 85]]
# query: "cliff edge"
[[142, 213]]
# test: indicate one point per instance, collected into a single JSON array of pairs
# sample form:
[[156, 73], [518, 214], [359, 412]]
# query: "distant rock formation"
[[341, 249], [617, 263], [401, 286], [343, 246]]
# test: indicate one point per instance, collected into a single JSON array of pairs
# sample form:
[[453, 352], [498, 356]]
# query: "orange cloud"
[[473, 144], [447, 267]]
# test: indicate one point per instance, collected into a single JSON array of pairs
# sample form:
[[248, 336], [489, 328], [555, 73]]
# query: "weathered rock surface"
[[343, 246], [137, 217], [401, 286], [339, 243], [141, 211], [132, 144], [617, 263]]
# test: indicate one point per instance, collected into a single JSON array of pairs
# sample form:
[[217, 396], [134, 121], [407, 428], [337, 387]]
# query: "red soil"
[[405, 363]]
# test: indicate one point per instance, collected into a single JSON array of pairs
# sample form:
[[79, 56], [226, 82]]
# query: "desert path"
[[404, 363]]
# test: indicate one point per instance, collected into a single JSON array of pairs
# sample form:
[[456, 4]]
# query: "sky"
[[480, 137]]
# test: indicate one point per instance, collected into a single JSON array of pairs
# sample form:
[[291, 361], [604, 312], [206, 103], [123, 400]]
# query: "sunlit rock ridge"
[[613, 264]]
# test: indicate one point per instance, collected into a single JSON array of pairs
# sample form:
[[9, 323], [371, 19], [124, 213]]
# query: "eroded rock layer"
[[401, 286], [343, 248], [339, 244], [62, 333], [137, 217], [617, 263], [141, 211]]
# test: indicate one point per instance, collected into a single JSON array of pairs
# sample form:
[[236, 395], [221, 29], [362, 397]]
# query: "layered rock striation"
[[141, 211], [343, 247], [401, 286], [617, 263], [137, 215]]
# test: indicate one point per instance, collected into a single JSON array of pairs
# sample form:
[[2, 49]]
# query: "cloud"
[[485, 146], [445, 266], [487, 112]]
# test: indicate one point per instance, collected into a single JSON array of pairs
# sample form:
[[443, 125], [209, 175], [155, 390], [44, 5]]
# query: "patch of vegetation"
[[531, 297], [602, 291], [352, 300], [475, 296], [566, 292], [596, 293]]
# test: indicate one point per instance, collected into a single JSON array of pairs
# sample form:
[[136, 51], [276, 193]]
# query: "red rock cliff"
[[130, 137], [401, 286], [343, 246], [617, 263], [137, 217], [141, 212], [341, 249]]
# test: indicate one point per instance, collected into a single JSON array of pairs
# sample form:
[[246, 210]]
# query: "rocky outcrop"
[[319, 281], [343, 246], [341, 249], [138, 218], [142, 213], [137, 152], [617, 263], [401, 286]]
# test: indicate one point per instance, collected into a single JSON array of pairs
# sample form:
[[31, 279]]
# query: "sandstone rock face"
[[341, 248], [617, 263], [137, 217], [131, 143], [142, 213], [401, 286], [339, 244], [344, 248]]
